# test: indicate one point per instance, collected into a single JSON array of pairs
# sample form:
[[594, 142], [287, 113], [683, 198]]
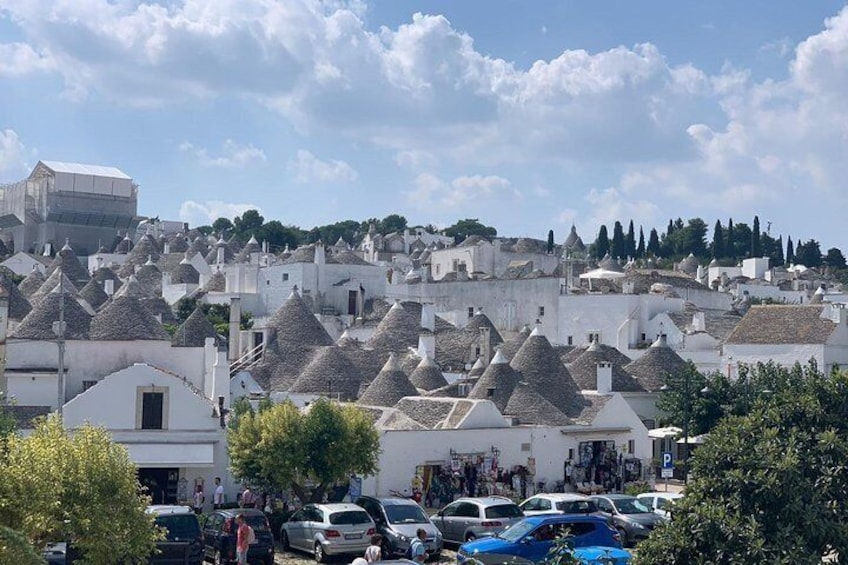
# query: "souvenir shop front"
[[471, 474], [600, 467]]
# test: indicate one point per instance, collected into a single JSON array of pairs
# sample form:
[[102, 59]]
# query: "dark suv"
[[219, 536], [183, 541]]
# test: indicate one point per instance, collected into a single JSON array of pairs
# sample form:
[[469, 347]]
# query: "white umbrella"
[[602, 274], [662, 433]]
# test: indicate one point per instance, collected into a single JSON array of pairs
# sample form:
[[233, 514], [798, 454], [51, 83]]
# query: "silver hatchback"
[[328, 529], [466, 519]]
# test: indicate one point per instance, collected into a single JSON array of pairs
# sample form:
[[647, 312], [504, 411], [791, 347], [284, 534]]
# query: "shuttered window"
[[152, 404]]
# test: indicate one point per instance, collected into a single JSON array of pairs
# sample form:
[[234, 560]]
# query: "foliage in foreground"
[[281, 447], [769, 485], [82, 487], [15, 548]]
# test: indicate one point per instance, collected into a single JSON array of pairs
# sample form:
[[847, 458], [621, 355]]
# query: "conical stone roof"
[[396, 332], [198, 245], [572, 238], [31, 283], [178, 244], [530, 407], [132, 289], [212, 254], [19, 306], [126, 319], [71, 266], [145, 250], [104, 274], [294, 324], [38, 324], [427, 375], [541, 368], [150, 278], [158, 306], [93, 293], [584, 370], [510, 347], [53, 282], [653, 368], [689, 265], [194, 331], [477, 369], [252, 246], [610, 264], [496, 383], [389, 387], [331, 373], [216, 283], [185, 273], [124, 245], [612, 354], [457, 347]]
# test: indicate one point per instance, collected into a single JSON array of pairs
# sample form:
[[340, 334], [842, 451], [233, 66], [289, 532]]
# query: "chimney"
[[109, 287], [166, 248], [699, 324], [319, 258], [235, 323], [427, 345], [221, 378], [428, 317], [219, 255], [604, 385], [485, 345]]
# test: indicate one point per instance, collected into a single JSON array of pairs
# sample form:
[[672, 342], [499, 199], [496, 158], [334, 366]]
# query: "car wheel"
[[470, 536], [385, 550], [623, 534], [284, 541], [320, 556]]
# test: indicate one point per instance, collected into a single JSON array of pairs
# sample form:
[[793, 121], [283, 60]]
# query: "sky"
[[529, 115]]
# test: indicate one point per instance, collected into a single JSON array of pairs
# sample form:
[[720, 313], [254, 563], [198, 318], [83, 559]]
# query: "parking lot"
[[299, 558]]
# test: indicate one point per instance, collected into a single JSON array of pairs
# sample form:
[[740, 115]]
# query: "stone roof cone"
[[427, 375], [496, 383], [330, 372], [389, 387], [294, 324]]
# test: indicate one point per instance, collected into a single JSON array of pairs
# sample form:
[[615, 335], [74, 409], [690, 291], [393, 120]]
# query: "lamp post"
[[687, 400]]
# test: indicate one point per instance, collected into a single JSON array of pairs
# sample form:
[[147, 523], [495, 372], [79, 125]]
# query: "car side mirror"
[[440, 513], [528, 540]]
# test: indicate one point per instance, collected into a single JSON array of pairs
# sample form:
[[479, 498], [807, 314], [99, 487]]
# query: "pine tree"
[[729, 244], [778, 255], [654, 243], [790, 251], [670, 229], [756, 243], [640, 249], [618, 247], [718, 241], [630, 241], [602, 244]]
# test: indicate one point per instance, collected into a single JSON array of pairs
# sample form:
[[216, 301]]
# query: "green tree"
[[550, 247], [392, 223], [653, 243], [15, 548], [790, 251], [279, 236], [282, 447], [717, 247], [640, 249], [630, 241], [809, 254], [618, 248], [756, 245], [221, 226], [834, 258], [468, 227], [766, 484], [742, 235], [247, 224], [602, 243], [730, 241], [80, 486]]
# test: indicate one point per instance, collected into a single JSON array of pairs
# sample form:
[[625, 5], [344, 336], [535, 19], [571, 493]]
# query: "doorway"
[[352, 300], [160, 484]]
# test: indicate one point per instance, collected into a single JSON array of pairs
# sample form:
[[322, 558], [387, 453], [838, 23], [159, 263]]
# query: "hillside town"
[[531, 367]]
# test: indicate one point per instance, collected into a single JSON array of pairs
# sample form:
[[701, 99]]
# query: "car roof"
[[486, 500], [392, 500], [559, 518], [614, 496], [338, 507], [167, 509], [559, 496], [668, 495]]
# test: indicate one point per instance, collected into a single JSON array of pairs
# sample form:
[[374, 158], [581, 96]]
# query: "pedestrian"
[[374, 551], [199, 499], [247, 498], [242, 540], [418, 551], [218, 496]]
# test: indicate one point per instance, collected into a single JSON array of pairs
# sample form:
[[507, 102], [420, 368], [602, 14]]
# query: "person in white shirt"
[[374, 552], [218, 497], [199, 499]]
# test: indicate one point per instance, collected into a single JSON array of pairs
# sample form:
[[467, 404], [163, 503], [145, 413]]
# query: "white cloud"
[[19, 59], [12, 152], [233, 155], [307, 168], [204, 213], [464, 192], [610, 204]]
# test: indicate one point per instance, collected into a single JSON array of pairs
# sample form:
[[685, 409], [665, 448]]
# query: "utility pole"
[[59, 330]]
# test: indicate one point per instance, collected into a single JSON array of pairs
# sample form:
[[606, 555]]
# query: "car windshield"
[[517, 531], [405, 514], [257, 522], [628, 506], [349, 517], [179, 526], [577, 506], [503, 511]]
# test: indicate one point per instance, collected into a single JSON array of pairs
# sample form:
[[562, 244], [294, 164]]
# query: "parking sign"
[[667, 461]]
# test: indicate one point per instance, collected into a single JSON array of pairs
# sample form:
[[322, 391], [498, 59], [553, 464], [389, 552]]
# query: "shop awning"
[[694, 440], [662, 433], [172, 454]]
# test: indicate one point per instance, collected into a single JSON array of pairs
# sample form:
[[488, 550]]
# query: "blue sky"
[[527, 114]]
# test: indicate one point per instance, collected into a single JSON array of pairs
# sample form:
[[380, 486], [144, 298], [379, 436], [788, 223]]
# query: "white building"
[[498, 258]]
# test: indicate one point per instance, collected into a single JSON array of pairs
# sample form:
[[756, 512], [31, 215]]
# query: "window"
[[285, 277], [477, 352], [490, 392], [87, 385], [644, 337], [437, 268], [151, 409], [571, 340], [544, 504], [571, 453], [631, 446], [455, 265], [467, 510], [503, 511], [541, 311], [471, 312]]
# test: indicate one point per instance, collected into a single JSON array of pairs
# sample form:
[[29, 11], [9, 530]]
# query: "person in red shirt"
[[242, 541]]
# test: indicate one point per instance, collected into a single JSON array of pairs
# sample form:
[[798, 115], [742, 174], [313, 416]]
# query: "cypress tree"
[[756, 243], [630, 241], [778, 253], [602, 244], [790, 251], [729, 244], [718, 241], [618, 246], [654, 243], [550, 241], [670, 229], [640, 249]]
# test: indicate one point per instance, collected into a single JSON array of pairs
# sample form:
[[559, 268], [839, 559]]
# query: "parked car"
[[328, 529], [631, 518], [466, 519], [531, 540], [219, 536], [659, 501], [397, 520], [183, 541], [558, 503]]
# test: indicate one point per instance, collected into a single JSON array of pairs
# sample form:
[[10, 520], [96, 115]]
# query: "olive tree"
[[77, 486], [768, 485], [283, 447]]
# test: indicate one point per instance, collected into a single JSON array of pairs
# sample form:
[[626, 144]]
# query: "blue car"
[[530, 541]]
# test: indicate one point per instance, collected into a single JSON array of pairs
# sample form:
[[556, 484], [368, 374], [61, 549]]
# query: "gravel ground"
[[298, 558]]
